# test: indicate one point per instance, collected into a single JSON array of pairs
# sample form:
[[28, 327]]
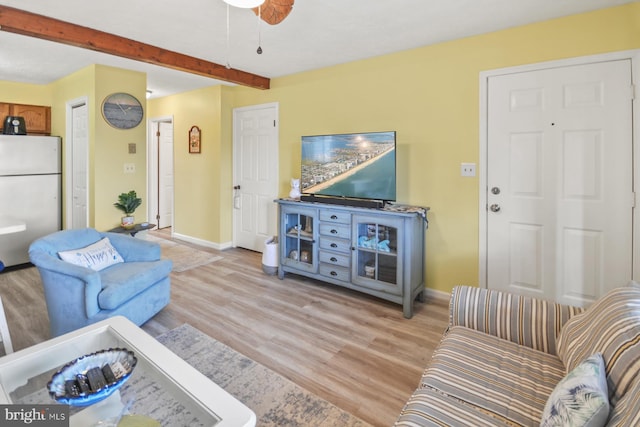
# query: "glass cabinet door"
[[298, 249], [376, 263]]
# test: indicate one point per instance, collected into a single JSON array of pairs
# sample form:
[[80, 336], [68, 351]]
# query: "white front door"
[[255, 163], [559, 181]]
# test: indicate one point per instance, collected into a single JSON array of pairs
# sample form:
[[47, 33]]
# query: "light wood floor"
[[356, 351]]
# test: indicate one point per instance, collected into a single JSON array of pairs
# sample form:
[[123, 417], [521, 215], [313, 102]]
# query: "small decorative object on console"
[[295, 189], [92, 377]]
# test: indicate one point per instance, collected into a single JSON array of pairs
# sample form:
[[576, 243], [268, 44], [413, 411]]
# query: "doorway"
[[255, 175], [77, 164], [557, 192], [160, 172]]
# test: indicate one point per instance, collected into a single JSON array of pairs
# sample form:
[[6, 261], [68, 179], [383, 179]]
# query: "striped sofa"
[[503, 354]]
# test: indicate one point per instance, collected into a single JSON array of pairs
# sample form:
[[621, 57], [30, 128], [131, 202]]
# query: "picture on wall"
[[194, 139]]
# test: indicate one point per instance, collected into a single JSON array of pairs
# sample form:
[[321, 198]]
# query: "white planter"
[[128, 221]]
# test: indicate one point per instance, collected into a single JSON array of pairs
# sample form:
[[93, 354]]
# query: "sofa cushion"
[[97, 256], [581, 398], [121, 282], [528, 321], [427, 407], [499, 377], [610, 326], [626, 413]]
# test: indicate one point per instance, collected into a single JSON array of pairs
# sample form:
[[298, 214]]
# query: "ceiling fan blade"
[[274, 11]]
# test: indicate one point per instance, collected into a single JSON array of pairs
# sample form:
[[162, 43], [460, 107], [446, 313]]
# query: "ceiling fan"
[[274, 11]]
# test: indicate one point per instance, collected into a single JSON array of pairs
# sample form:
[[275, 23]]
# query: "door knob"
[[495, 208]]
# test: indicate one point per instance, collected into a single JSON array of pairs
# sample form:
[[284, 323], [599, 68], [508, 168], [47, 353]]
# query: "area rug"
[[275, 400], [184, 257]]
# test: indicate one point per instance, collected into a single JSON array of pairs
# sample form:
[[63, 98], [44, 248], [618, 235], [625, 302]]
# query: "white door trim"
[[634, 56], [68, 160], [236, 178]]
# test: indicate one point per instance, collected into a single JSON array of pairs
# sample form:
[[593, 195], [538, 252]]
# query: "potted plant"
[[128, 203]]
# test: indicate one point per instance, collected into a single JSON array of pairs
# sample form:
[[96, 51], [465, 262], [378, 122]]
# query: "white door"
[[79, 166], [161, 172], [165, 175], [559, 181], [255, 142]]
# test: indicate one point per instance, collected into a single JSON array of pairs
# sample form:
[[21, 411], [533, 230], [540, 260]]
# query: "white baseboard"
[[201, 242], [438, 295]]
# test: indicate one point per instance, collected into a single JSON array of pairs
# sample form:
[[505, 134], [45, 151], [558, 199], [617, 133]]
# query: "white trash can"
[[270, 256]]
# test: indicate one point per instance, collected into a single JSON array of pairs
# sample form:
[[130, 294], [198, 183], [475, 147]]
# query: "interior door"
[[255, 175], [160, 170], [79, 172], [165, 174], [559, 181]]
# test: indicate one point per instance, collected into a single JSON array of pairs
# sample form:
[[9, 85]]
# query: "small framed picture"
[[194, 139]]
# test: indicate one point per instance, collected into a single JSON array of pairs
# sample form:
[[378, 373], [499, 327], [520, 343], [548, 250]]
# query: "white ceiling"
[[316, 34]]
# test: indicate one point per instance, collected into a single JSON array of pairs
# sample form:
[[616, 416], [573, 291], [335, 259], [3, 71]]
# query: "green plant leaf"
[[128, 202]]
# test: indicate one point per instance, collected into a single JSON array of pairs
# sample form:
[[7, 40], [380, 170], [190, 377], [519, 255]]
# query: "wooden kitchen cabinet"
[[5, 110], [37, 117]]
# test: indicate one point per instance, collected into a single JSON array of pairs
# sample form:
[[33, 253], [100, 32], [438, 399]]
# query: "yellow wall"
[[25, 93], [80, 84], [110, 149], [198, 178], [430, 96]]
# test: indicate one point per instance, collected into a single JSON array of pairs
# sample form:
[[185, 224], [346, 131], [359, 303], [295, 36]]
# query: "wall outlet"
[[467, 169], [129, 168]]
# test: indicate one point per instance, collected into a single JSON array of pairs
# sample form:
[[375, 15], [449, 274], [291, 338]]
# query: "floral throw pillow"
[[581, 398]]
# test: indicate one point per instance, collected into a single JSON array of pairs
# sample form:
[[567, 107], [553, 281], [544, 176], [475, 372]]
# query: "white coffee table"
[[162, 384]]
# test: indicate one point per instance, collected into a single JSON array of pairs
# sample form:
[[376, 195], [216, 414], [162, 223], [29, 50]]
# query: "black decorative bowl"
[[92, 377]]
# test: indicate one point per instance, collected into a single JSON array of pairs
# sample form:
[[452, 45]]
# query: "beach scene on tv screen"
[[360, 165]]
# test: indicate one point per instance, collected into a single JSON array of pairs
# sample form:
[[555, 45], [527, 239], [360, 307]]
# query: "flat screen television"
[[354, 165]]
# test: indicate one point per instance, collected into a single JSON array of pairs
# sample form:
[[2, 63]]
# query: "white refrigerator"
[[30, 191]]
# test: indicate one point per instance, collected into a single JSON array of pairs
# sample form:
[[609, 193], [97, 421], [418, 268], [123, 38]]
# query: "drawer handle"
[[333, 273], [334, 231], [334, 217], [334, 245], [333, 259]]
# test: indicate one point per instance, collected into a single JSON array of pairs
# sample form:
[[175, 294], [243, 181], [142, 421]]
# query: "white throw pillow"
[[96, 256]]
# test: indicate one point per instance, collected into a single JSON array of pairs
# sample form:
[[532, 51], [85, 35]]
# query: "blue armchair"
[[76, 296]]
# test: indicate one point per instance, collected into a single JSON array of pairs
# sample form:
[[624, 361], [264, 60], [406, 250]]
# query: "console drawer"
[[334, 244], [342, 231], [335, 272], [335, 259], [335, 216]]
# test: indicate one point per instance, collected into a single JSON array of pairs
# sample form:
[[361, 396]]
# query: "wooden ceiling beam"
[[30, 24]]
